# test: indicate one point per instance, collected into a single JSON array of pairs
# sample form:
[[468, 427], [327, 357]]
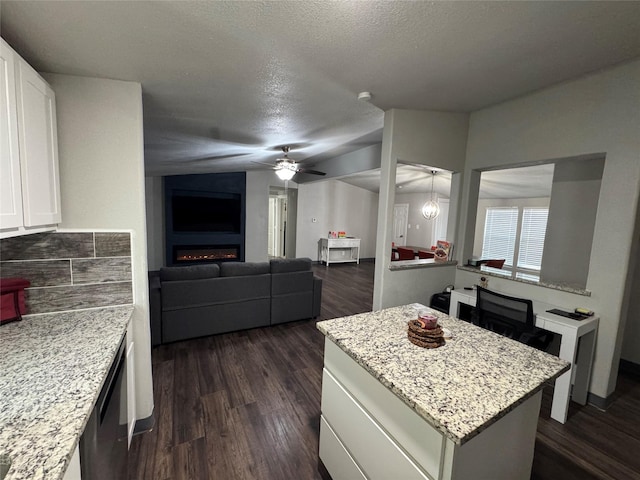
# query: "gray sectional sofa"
[[195, 301]]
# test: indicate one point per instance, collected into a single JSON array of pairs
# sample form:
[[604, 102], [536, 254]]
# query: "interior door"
[[272, 230], [277, 225], [400, 218]]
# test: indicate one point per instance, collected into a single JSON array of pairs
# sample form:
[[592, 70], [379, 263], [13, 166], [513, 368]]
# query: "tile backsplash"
[[70, 270]]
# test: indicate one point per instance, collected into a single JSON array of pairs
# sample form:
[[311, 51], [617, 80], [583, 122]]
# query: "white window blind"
[[500, 228], [532, 233]]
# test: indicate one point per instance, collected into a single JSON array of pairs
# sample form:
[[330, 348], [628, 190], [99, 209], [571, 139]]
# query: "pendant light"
[[431, 208]]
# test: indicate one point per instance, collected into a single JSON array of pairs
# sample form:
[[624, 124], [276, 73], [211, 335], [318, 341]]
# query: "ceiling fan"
[[286, 168]]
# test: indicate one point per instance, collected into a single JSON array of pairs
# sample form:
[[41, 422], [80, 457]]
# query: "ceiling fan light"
[[430, 210], [285, 173]]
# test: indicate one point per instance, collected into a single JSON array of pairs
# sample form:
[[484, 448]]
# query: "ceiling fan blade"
[[215, 157], [310, 172], [264, 163]]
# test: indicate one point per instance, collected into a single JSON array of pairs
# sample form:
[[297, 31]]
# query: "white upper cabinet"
[[10, 183], [30, 176], [38, 148]]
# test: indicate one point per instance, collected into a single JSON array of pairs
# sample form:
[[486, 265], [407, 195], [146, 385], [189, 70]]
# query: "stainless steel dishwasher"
[[103, 445]]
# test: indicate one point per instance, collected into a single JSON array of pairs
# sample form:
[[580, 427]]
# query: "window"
[[500, 233], [532, 232], [516, 233]]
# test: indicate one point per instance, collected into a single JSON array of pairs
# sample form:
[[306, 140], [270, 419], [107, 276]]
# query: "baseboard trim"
[[322, 470], [604, 403], [599, 402], [629, 367], [144, 425], [362, 260]]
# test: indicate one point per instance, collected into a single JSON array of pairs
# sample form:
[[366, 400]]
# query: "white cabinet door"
[[38, 148], [131, 390], [73, 470], [10, 184]]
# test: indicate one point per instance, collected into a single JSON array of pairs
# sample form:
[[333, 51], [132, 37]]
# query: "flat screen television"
[[206, 212]]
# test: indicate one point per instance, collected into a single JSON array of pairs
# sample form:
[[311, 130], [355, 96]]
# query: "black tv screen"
[[206, 212]]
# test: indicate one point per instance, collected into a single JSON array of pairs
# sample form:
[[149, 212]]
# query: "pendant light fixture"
[[431, 208]]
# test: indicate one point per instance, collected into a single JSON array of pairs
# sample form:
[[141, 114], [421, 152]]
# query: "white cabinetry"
[[73, 470], [368, 433], [131, 384], [30, 198], [339, 250], [10, 187]]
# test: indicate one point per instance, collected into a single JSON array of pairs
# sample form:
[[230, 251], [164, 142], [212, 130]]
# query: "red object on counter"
[[12, 305]]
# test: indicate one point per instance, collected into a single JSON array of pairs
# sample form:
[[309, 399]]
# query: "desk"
[[339, 250], [575, 333]]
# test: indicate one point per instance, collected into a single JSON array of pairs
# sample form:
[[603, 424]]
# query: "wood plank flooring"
[[246, 405]]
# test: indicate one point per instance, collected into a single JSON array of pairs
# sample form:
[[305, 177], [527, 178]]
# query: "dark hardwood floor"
[[246, 405]]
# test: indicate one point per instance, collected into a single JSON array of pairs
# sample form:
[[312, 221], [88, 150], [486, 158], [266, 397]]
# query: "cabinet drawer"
[[379, 457], [335, 457], [420, 440], [343, 243]]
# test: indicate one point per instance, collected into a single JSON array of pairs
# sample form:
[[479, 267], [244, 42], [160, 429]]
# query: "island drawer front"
[[335, 456], [379, 457], [420, 440]]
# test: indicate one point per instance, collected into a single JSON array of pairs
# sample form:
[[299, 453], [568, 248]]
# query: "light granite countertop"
[[505, 274], [52, 368], [460, 388]]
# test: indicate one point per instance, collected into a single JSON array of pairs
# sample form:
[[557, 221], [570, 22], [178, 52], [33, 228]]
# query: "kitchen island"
[[52, 368], [391, 409]]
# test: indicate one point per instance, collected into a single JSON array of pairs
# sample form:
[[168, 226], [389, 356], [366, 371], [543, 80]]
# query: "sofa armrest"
[[155, 308], [317, 296]]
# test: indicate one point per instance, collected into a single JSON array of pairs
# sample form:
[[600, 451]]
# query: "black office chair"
[[511, 317]]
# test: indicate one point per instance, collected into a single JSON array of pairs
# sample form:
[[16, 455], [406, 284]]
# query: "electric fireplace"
[[188, 254]]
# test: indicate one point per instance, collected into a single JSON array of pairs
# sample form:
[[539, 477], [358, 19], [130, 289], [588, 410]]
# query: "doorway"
[[400, 219], [282, 222]]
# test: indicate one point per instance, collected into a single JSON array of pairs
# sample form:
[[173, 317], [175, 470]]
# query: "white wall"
[[420, 230], [435, 139], [599, 113], [155, 222], [336, 206], [100, 141], [574, 202], [631, 343], [257, 216]]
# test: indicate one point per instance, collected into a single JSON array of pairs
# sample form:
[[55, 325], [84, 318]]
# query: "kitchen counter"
[[391, 409], [52, 368], [460, 388]]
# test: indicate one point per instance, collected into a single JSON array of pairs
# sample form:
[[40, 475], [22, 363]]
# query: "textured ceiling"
[[225, 83]]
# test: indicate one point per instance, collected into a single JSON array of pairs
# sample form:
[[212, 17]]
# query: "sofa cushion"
[[241, 269], [285, 283], [286, 265], [191, 272], [211, 291]]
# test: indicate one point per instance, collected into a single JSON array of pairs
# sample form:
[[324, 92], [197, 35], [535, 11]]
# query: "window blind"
[[500, 230], [532, 233]]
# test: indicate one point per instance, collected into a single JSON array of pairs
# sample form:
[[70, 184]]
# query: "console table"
[[574, 333], [339, 250]]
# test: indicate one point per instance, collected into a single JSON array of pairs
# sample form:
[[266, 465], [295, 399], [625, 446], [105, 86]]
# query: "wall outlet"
[[417, 226]]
